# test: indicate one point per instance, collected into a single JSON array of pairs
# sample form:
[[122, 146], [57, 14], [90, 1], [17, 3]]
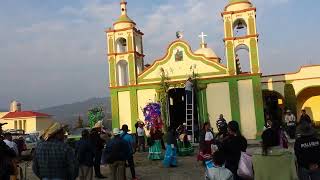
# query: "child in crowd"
[[217, 171], [141, 137]]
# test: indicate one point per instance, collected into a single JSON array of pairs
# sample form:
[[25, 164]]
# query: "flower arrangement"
[[152, 114]]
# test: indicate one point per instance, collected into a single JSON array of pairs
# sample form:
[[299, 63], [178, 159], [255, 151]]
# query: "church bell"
[[240, 25]]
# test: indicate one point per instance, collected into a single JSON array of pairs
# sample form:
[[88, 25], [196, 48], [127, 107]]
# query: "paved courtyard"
[[188, 169]]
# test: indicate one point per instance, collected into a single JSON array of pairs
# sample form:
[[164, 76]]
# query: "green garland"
[[163, 96], [95, 114]]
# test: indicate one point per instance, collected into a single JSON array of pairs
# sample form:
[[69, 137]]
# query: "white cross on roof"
[[202, 36]]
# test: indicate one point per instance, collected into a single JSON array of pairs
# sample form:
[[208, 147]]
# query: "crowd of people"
[[223, 154]]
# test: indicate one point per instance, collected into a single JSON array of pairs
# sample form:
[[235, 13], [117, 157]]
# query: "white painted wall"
[[247, 111], [218, 102], [124, 108]]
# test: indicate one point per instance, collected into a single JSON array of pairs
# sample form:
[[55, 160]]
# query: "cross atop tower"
[[123, 5], [203, 44]]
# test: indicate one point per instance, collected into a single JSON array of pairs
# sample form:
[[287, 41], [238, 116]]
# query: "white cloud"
[[62, 57]]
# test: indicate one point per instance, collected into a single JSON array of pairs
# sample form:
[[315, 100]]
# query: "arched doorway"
[[274, 105], [122, 73], [242, 59], [309, 100]]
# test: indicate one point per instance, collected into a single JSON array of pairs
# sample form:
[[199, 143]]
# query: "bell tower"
[[125, 50], [240, 31]]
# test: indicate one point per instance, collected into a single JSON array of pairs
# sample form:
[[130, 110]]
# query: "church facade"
[[218, 88]]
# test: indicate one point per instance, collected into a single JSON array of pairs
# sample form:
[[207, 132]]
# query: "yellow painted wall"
[[144, 96], [309, 99], [8, 126], [306, 77], [247, 111], [32, 124], [182, 68], [218, 102], [43, 123], [302, 84], [312, 107], [124, 108]]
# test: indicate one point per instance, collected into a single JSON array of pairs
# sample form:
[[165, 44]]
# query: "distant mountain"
[[69, 113]]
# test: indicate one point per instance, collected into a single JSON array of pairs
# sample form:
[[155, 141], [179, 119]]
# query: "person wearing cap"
[[117, 153], [98, 143], [290, 122], [54, 159], [129, 139], [85, 154], [7, 156], [307, 151], [232, 146]]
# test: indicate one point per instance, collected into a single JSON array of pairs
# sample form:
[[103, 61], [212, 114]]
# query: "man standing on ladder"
[[188, 89], [189, 107]]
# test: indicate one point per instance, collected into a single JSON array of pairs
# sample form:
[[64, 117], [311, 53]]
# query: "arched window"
[[121, 45], [122, 73], [138, 45], [242, 59], [139, 66], [240, 28]]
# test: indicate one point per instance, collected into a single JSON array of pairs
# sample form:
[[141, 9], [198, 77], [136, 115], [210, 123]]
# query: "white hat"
[[116, 131], [99, 124]]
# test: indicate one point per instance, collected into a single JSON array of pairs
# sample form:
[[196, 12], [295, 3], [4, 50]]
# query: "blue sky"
[[53, 52]]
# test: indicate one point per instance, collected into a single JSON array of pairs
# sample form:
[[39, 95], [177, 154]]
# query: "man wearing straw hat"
[[98, 143], [307, 150], [54, 159]]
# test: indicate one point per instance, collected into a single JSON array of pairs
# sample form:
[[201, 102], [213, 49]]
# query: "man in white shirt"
[[188, 90], [141, 138], [290, 121], [10, 143]]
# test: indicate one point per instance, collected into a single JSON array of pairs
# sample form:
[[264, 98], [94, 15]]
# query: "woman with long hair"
[[232, 146], [206, 140], [273, 162], [170, 158], [154, 143]]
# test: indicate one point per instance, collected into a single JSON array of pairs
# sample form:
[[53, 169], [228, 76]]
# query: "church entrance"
[[177, 107], [273, 105], [177, 110]]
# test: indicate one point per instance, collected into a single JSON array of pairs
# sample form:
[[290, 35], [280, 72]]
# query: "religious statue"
[[179, 55]]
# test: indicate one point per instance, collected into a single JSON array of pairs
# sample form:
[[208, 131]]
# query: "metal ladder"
[[190, 117]]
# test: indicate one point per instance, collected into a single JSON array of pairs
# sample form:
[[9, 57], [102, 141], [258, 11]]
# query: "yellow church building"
[[28, 121], [218, 88]]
